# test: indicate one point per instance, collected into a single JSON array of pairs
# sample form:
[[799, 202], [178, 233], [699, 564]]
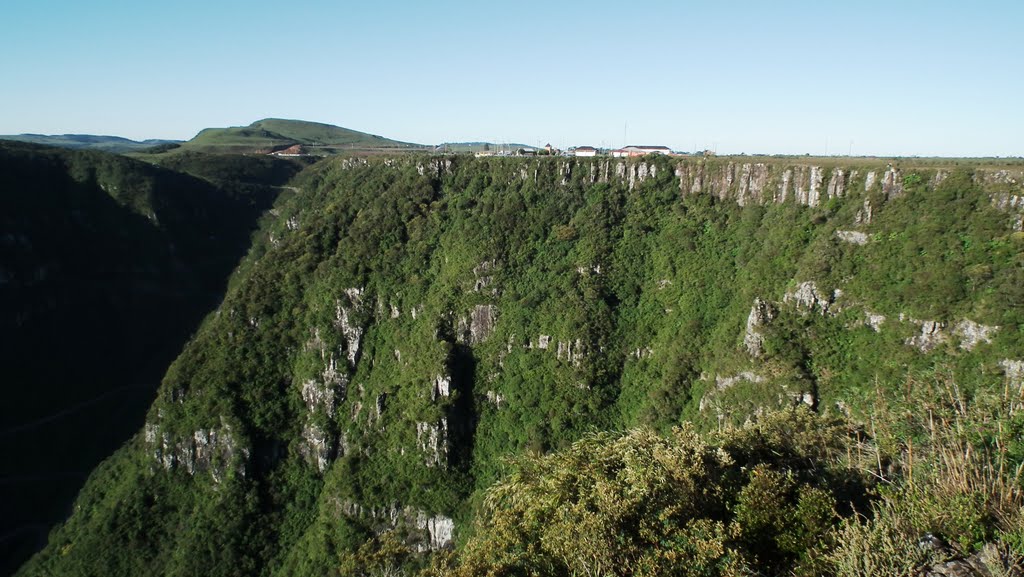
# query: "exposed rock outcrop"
[[640, 172], [997, 177], [807, 298], [852, 236], [571, 351], [869, 180], [863, 215], [479, 326], [808, 185], [347, 309], [354, 162], [440, 530], [317, 447], [425, 532], [892, 183], [434, 168], [752, 183], [1012, 203], [1014, 371], [933, 334], [484, 276], [321, 396], [643, 353], [972, 334], [761, 313], [495, 398], [785, 185], [213, 450], [441, 387], [874, 320], [837, 183], [432, 440], [758, 183]]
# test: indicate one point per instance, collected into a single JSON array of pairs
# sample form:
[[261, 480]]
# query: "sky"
[[893, 78]]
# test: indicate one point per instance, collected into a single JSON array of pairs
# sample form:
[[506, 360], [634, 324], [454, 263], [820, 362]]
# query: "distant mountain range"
[[266, 136], [89, 142]]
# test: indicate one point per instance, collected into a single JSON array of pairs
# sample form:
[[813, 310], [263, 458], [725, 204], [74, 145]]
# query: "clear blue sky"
[[875, 77]]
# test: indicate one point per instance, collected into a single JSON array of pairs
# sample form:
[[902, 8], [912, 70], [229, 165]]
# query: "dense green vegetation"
[[790, 493], [254, 172], [401, 328], [107, 265]]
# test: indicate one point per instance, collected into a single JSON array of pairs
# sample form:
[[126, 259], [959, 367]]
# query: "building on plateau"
[[585, 151], [292, 150], [633, 150]]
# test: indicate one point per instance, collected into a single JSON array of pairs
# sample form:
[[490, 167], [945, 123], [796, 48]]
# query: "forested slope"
[[107, 265], [401, 327]]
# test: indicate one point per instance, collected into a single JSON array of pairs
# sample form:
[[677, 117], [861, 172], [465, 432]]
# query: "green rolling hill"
[[276, 133]]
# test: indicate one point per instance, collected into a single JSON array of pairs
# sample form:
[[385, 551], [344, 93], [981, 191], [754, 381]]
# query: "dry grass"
[[947, 465]]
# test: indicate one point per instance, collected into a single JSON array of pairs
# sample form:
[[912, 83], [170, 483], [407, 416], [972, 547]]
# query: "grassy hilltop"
[[275, 133]]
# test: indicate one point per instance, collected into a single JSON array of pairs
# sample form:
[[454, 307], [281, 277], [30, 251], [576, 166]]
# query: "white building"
[[585, 151]]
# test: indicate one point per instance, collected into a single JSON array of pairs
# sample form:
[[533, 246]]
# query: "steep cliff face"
[[403, 326], [107, 265]]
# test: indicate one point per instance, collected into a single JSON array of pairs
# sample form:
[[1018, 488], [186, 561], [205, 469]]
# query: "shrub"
[[643, 504], [960, 480]]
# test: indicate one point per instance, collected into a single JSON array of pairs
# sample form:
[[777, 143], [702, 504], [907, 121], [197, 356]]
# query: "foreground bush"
[[793, 493], [643, 504], [950, 474]]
